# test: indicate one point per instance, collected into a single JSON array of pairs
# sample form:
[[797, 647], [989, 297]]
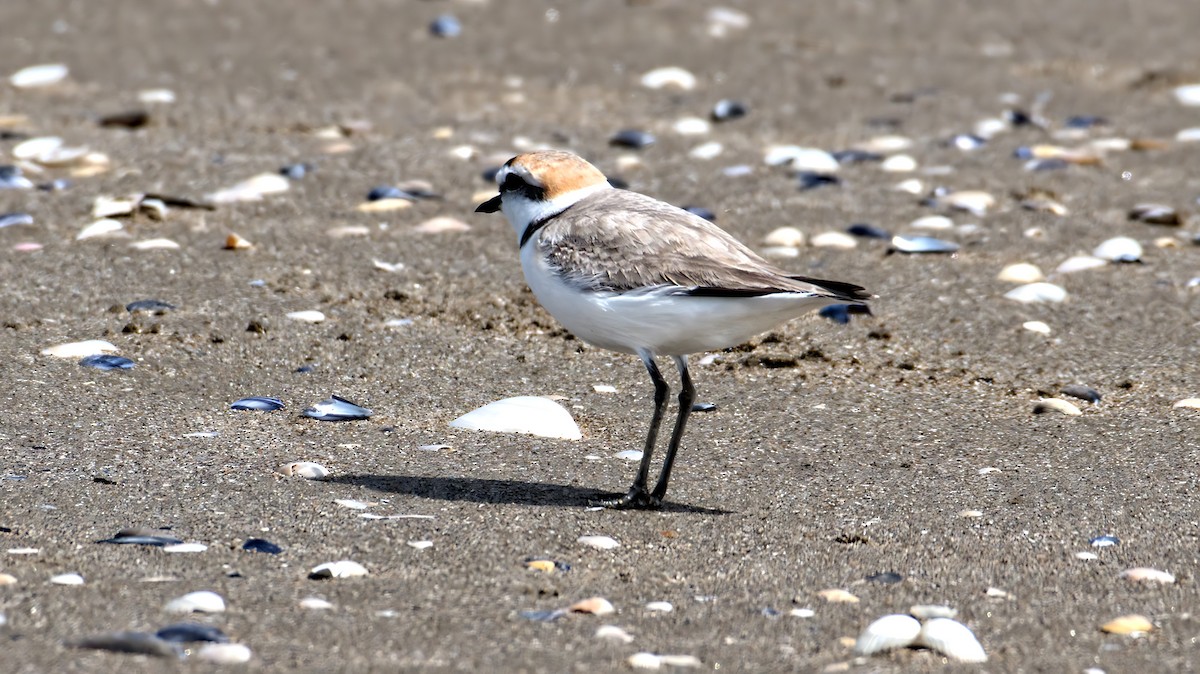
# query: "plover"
[[632, 274]]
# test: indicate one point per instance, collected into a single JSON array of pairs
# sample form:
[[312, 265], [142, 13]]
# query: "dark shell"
[[258, 404], [1085, 121], [295, 171], [129, 642], [446, 25], [1082, 392], [182, 633], [142, 536], [386, 192], [153, 306], [261, 545], [885, 578], [868, 231], [632, 138], [704, 407], [728, 109], [856, 156], [840, 313], [129, 119], [809, 180], [12, 179], [13, 219], [104, 361]]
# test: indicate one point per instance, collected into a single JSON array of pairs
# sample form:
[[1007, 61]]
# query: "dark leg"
[[687, 396], [638, 496]]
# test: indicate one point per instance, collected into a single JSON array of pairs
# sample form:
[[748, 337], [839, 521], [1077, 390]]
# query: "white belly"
[[665, 325]]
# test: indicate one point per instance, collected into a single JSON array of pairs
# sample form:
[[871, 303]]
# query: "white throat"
[[523, 212]]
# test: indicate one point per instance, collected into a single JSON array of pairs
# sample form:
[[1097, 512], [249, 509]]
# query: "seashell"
[[23, 551], [1082, 392], [1105, 541], [593, 606], [335, 408], [440, 225], [446, 25], [1035, 293], [1079, 263], [27, 246], [142, 536], [308, 316], [342, 569], [1086, 556], [899, 163], [1191, 403], [67, 579], [886, 144], [128, 642], [613, 633], [104, 361], [197, 602], [184, 633], [932, 222], [89, 347], [737, 170], [1119, 249], [723, 20], [837, 596], [315, 604], [930, 611], [7, 579], [691, 126], [660, 606], [1056, 405], [1044, 205], [1022, 272], [599, 542], [185, 547], [808, 180], [1132, 625], [157, 307], [868, 231], [251, 189], [952, 639], [632, 138], [1156, 214], [629, 455], [707, 151], [975, 202], [346, 231], [261, 545], [604, 388], [780, 252], [14, 219], [155, 244], [257, 404], [784, 236], [39, 76], [911, 186], [728, 109], [840, 313], [990, 127], [99, 228], [11, 178], [653, 661], [305, 469], [1190, 135], [224, 654], [967, 142], [856, 156], [1188, 94], [30, 150], [886, 633], [545, 565], [534, 415], [922, 244], [837, 240], [353, 504], [383, 205], [802, 613], [670, 76], [811, 160], [164, 96], [1146, 574]]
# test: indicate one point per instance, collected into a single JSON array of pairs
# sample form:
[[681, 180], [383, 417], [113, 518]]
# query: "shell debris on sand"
[[647, 660], [1149, 575], [82, 349], [203, 601], [837, 595], [599, 542], [341, 569], [308, 470], [1056, 405], [532, 415], [1133, 625]]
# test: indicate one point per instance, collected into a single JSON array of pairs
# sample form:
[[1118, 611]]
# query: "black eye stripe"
[[515, 183]]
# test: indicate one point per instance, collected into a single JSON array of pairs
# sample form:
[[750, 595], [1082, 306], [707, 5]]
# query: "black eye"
[[513, 183]]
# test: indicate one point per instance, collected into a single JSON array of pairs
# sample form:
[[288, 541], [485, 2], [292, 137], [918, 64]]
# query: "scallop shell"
[[533, 415], [952, 639], [886, 633]]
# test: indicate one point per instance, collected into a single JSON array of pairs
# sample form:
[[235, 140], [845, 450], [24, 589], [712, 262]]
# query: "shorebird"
[[632, 274]]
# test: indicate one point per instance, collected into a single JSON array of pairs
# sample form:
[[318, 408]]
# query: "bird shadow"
[[483, 490]]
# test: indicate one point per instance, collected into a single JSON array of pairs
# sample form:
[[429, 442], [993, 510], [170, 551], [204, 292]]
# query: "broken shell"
[[952, 639], [305, 469], [1147, 574], [1119, 249], [1133, 625], [1034, 293], [90, 347], [670, 76], [105, 206], [236, 242], [534, 415], [33, 148], [599, 542], [886, 633], [39, 76], [342, 569], [196, 602], [836, 596], [592, 605], [99, 228], [1056, 405], [1022, 272]]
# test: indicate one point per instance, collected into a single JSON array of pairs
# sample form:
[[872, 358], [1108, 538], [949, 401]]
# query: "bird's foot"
[[636, 499]]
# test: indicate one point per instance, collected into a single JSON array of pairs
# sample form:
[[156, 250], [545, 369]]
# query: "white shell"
[[972, 201], [1034, 293], [952, 639], [196, 602], [185, 547], [1079, 263], [315, 604], [813, 160], [67, 579], [989, 127], [224, 654], [156, 96], [653, 661], [1119, 249], [838, 240], [522, 414], [1057, 405], [1192, 403], [1086, 556], [36, 147], [932, 222], [309, 316], [929, 611], [420, 545], [99, 228], [1021, 272], [1189, 135], [155, 244], [353, 504], [885, 144], [39, 76], [599, 542], [710, 150], [670, 76], [1188, 94], [784, 236], [660, 606], [900, 163], [1036, 326], [89, 347], [691, 126], [441, 225], [886, 633], [305, 469], [1147, 574], [911, 186], [251, 189], [613, 633], [341, 569]]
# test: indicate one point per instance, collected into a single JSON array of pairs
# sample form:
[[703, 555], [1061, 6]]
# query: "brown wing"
[[620, 241]]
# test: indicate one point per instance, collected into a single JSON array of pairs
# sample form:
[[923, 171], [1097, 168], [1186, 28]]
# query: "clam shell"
[[341, 569], [251, 189], [89, 347], [837, 240], [952, 639], [336, 408], [1132, 625], [1021, 272], [900, 163], [155, 244], [308, 316], [836, 596], [691, 126], [613, 633], [710, 150], [67, 579], [224, 654], [932, 222], [42, 75], [660, 606], [1036, 293], [886, 633], [1146, 574], [669, 76], [930, 611], [1056, 405], [1079, 263], [784, 236], [99, 228], [196, 602], [593, 606], [533, 415], [599, 542], [1190, 403], [1119, 249], [305, 469], [922, 244]]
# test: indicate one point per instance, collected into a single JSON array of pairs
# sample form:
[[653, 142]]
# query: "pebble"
[[1133, 625], [533, 415], [39, 76], [1146, 574], [224, 654], [89, 347], [911, 186], [1119, 249], [670, 76], [305, 469], [257, 404], [613, 633], [67, 579], [1056, 405], [7, 579], [196, 602], [104, 361], [341, 569], [308, 316], [1021, 272], [1037, 293], [336, 408], [599, 542], [162, 96]]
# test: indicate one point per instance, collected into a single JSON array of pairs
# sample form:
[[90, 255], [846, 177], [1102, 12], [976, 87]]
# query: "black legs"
[[638, 496]]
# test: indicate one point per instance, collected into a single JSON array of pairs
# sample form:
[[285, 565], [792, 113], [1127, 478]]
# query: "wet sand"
[[854, 459]]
